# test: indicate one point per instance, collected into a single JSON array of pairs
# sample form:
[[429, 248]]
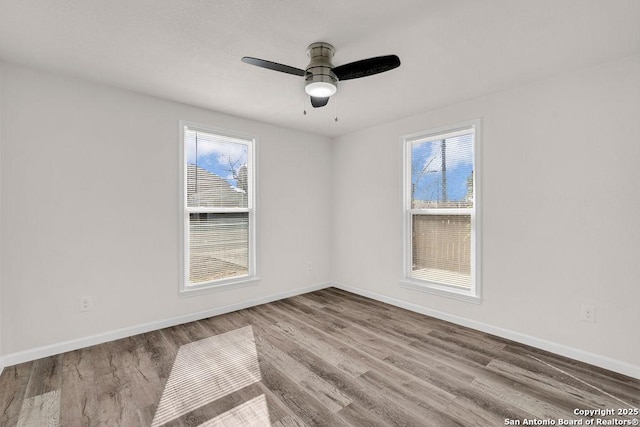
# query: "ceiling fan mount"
[[322, 77]]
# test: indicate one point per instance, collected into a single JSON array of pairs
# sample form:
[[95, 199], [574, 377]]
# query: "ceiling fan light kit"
[[321, 77], [320, 80], [320, 89]]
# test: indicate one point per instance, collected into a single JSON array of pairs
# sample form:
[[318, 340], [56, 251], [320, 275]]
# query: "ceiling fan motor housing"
[[319, 71]]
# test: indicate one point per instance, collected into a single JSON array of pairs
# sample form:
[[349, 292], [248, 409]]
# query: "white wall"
[[561, 187], [90, 208]]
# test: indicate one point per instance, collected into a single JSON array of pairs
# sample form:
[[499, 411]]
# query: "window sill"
[[440, 290], [188, 291]]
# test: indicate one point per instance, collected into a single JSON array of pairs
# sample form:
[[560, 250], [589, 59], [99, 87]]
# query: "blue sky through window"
[[427, 169], [216, 154]]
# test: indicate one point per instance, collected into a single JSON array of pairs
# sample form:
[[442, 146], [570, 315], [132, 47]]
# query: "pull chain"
[[335, 109]]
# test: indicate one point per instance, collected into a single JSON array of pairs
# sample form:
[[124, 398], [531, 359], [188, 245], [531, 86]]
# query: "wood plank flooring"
[[327, 358]]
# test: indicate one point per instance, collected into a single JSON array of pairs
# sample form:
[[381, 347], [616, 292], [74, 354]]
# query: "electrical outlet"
[[587, 313], [85, 303], [309, 266]]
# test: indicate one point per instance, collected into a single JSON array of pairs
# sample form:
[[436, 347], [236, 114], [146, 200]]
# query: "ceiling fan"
[[321, 77]]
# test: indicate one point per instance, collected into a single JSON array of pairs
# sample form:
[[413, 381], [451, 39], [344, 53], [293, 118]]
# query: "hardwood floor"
[[327, 358]]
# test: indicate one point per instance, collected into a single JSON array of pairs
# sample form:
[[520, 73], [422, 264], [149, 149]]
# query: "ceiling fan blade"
[[273, 66], [319, 102], [367, 67]]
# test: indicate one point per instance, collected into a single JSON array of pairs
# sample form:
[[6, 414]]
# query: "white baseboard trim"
[[553, 347], [53, 349]]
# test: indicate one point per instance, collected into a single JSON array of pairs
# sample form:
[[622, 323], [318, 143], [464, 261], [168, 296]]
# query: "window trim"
[[474, 295], [185, 289]]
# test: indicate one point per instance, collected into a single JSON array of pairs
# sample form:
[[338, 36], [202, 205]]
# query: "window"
[[218, 213], [441, 211]]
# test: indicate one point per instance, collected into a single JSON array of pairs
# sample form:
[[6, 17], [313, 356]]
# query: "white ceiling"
[[190, 50]]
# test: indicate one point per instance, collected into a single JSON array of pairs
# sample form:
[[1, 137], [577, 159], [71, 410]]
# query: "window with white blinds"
[[218, 239], [441, 221]]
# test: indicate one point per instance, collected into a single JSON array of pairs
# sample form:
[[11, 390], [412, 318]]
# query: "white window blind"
[[440, 223], [218, 208], [218, 246]]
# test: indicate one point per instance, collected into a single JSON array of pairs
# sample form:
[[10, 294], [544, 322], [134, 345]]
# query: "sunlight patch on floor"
[[251, 413], [207, 370], [42, 410]]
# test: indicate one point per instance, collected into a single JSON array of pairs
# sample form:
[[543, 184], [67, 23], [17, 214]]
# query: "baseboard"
[[53, 349], [553, 347]]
